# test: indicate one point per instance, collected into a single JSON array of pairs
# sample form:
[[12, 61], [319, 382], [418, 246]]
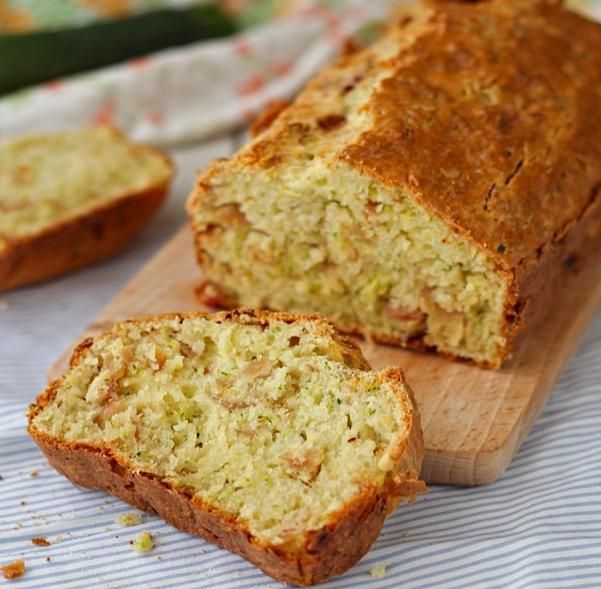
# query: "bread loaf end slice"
[[70, 199]]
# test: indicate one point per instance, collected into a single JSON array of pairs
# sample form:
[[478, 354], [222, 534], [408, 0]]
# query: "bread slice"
[[264, 433], [73, 198], [421, 191]]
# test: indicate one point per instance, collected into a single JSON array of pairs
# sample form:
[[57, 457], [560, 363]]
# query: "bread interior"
[[278, 425], [45, 179], [318, 236]]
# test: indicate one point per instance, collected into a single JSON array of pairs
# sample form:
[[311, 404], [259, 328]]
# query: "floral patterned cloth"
[[186, 94]]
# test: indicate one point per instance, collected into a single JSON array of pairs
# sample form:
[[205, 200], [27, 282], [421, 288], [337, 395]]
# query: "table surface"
[[538, 526]]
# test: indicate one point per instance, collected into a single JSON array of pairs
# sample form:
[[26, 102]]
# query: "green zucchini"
[[31, 58]]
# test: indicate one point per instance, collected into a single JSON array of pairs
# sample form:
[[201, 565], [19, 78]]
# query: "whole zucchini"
[[31, 58]]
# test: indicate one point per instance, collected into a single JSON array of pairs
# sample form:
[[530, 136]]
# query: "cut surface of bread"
[[68, 185], [418, 191], [278, 438]]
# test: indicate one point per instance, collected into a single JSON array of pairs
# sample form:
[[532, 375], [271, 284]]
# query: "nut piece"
[[40, 541]]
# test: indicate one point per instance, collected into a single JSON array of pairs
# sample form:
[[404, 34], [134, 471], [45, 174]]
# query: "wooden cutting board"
[[474, 420]]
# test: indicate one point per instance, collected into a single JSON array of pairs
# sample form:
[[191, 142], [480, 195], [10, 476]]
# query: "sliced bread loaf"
[[422, 191], [70, 199], [264, 433]]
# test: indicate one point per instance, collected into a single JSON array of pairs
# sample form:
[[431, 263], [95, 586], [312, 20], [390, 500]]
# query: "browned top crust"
[[512, 152], [487, 115], [266, 118]]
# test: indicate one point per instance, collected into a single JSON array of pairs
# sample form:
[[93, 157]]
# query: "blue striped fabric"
[[539, 526]]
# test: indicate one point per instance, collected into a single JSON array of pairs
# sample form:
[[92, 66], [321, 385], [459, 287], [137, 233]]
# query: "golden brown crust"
[[326, 552], [78, 242], [93, 235], [271, 112], [510, 155]]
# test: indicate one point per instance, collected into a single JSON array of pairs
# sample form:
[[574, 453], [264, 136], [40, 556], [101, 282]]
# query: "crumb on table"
[[40, 541], [23, 502], [143, 543], [13, 570], [378, 571], [129, 519], [33, 473]]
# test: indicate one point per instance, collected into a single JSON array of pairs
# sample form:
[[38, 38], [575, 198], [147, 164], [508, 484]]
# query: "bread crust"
[[95, 234], [325, 552], [486, 116]]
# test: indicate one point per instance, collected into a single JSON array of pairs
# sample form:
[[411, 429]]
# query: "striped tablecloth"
[[539, 526]]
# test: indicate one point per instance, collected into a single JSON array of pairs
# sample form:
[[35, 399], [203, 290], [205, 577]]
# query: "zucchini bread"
[[264, 433], [70, 199], [420, 191]]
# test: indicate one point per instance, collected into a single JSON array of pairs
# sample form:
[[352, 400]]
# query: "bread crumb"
[[40, 541], [14, 570], [143, 543], [378, 571], [33, 473], [23, 502], [129, 519], [48, 559]]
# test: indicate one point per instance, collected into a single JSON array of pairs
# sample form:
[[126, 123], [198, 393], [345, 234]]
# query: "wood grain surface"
[[474, 420]]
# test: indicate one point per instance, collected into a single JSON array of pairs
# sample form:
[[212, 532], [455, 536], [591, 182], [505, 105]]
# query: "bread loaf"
[[420, 191]]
